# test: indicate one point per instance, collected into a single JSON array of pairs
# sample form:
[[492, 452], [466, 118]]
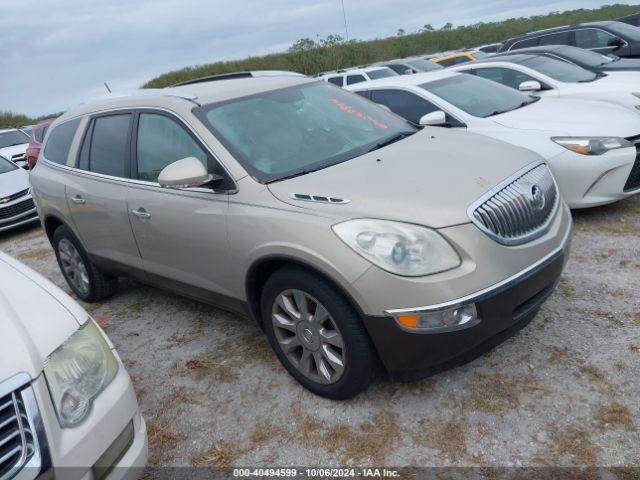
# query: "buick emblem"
[[537, 197], [4, 200]]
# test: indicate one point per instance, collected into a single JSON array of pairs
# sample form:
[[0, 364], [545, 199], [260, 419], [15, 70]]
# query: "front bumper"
[[18, 212], [503, 310], [589, 181]]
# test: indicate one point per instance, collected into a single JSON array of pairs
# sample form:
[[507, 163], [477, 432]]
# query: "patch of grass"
[[614, 415], [558, 355], [497, 393], [592, 373], [372, 441], [220, 454], [571, 443], [449, 438], [163, 440], [566, 288], [263, 432]]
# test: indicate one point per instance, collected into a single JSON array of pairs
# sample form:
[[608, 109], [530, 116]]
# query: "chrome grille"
[[519, 209], [17, 444]]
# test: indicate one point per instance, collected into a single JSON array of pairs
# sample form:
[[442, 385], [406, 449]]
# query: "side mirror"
[[408, 71], [530, 86], [188, 172], [434, 119], [385, 107]]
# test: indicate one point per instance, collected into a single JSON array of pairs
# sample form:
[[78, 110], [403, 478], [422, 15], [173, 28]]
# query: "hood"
[[13, 182], [573, 117], [430, 178], [8, 152], [36, 318], [628, 80]]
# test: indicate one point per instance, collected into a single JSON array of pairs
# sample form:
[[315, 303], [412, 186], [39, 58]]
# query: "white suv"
[[352, 76], [66, 400]]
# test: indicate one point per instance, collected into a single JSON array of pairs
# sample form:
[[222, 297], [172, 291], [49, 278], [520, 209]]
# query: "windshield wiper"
[[389, 141]]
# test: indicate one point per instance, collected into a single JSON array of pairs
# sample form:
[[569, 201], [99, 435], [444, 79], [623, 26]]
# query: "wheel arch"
[[261, 269]]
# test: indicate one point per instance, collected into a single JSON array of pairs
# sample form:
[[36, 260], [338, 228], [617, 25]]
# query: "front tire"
[[84, 278], [316, 334]]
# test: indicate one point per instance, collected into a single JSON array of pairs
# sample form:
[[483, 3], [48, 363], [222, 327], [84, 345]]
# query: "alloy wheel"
[[308, 336], [73, 267]]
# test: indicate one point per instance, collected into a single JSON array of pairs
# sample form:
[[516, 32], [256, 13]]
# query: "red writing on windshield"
[[349, 109]]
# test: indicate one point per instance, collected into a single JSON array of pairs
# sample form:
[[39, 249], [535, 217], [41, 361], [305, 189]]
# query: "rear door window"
[[60, 140], [406, 104], [505, 76], [559, 38], [351, 79], [160, 142], [105, 149]]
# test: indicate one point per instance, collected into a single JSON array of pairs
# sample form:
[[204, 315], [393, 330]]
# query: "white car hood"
[[8, 152], [573, 117], [36, 318], [13, 182]]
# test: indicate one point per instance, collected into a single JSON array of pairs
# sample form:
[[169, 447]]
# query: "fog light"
[[453, 318]]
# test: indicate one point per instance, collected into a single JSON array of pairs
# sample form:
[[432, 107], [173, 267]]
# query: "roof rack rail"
[[235, 75]]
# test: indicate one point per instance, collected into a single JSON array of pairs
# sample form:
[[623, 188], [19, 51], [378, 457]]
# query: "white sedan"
[[543, 76], [67, 405], [590, 146]]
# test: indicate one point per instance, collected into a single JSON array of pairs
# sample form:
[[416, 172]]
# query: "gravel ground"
[[562, 392]]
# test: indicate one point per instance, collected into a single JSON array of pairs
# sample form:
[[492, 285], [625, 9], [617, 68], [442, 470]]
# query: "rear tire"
[[316, 334], [84, 278]]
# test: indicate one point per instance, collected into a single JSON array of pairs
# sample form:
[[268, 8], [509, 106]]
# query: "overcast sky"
[[56, 53]]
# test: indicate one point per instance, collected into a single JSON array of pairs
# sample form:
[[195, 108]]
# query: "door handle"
[[141, 213], [78, 200]]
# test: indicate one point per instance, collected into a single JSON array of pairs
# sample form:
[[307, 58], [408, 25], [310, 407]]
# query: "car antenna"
[[107, 87]]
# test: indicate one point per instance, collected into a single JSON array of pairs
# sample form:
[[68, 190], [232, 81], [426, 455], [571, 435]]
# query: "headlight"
[[77, 372], [592, 145], [400, 248]]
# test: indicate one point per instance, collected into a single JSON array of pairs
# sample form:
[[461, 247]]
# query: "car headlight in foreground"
[[400, 248], [77, 372], [592, 145]]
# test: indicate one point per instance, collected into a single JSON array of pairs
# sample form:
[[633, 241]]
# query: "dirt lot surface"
[[564, 391]]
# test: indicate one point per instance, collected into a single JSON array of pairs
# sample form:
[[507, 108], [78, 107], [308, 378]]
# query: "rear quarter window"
[[57, 148]]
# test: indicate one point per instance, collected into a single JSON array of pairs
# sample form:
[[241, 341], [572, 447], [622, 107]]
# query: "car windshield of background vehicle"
[[424, 65], [381, 73], [560, 70], [7, 166], [625, 30], [477, 96], [13, 137], [300, 129], [583, 57]]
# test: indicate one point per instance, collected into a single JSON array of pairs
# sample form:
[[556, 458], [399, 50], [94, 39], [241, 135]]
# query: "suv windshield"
[[560, 70], [583, 57], [381, 73], [477, 96], [300, 129], [6, 165], [423, 65], [12, 137]]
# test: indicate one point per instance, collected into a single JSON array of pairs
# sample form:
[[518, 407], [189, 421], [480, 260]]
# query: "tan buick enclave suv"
[[351, 237]]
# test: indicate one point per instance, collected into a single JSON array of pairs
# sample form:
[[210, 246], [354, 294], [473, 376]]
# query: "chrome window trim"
[[496, 288], [537, 233], [626, 44], [74, 151]]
